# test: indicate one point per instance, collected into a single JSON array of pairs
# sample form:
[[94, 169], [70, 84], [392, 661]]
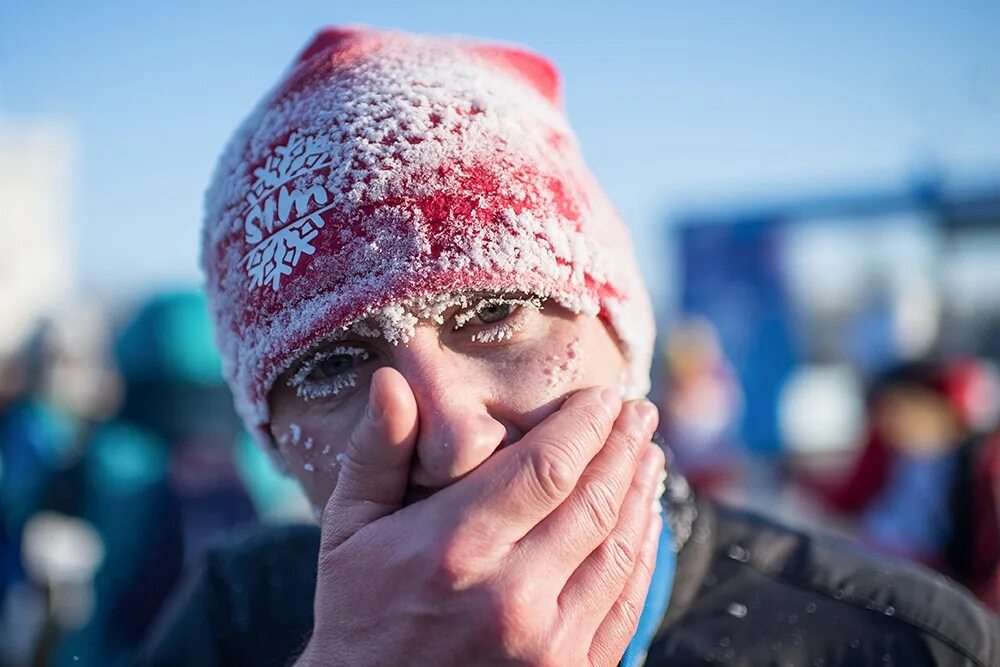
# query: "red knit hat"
[[387, 167]]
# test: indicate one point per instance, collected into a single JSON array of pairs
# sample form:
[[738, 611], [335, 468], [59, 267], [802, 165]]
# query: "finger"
[[619, 626], [595, 586], [573, 531], [375, 467], [520, 485]]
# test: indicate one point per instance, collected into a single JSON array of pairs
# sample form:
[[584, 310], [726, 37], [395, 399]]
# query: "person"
[[430, 314], [157, 481], [703, 406], [925, 486]]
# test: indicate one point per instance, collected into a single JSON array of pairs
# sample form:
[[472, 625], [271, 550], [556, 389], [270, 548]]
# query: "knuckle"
[[351, 475], [554, 472], [517, 598], [620, 553], [589, 425], [629, 611], [450, 567], [514, 609], [355, 458], [600, 503], [643, 568], [632, 436]]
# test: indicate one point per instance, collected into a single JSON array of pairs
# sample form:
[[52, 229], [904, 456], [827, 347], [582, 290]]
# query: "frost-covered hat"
[[387, 167]]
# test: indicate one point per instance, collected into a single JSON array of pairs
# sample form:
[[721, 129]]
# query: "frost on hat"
[[387, 167]]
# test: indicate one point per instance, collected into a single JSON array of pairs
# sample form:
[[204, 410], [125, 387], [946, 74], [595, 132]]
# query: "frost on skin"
[[495, 335], [563, 369], [292, 436]]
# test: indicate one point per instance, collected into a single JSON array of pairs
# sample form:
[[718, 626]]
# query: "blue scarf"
[[657, 599]]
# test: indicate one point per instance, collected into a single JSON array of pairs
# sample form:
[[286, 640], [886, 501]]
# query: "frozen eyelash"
[[307, 390], [462, 318], [500, 332], [395, 323], [332, 387]]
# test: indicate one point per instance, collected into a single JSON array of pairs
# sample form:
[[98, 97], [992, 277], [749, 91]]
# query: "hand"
[[540, 556]]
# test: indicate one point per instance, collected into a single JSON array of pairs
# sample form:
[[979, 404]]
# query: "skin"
[[918, 422], [479, 507]]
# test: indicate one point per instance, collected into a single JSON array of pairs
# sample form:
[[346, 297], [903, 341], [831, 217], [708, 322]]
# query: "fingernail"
[[611, 401], [374, 407], [651, 466], [647, 413]]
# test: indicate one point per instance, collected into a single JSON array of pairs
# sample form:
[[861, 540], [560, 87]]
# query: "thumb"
[[375, 468]]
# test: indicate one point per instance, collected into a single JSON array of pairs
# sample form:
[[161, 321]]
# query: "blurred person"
[[175, 391], [925, 485], [910, 515], [42, 421], [703, 405], [430, 315], [159, 481], [33, 443], [50, 395]]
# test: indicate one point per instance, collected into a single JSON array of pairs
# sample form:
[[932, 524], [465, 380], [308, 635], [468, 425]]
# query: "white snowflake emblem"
[[280, 222]]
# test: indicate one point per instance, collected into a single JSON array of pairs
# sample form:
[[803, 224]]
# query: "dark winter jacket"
[[747, 592]]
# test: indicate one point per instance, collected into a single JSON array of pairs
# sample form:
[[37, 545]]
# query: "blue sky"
[[676, 104]]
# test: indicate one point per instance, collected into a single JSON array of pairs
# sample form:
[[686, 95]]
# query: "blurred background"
[[815, 198]]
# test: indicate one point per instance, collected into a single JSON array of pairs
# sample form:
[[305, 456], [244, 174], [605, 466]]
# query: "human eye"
[[497, 318], [329, 371]]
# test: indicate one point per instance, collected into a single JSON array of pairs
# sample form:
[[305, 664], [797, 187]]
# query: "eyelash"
[[487, 333], [329, 387], [496, 331]]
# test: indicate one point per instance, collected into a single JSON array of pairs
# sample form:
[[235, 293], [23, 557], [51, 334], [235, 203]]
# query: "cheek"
[[546, 372], [310, 441], [582, 357], [570, 359], [564, 368]]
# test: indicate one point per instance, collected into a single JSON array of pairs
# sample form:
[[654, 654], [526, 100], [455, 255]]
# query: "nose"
[[456, 431]]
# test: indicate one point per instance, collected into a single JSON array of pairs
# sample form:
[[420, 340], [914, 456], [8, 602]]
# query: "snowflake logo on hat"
[[279, 222]]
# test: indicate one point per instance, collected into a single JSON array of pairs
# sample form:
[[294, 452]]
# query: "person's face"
[[917, 422], [481, 379]]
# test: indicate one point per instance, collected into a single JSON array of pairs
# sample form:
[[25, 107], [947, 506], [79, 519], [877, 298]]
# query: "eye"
[[329, 371], [331, 367], [495, 311], [486, 311], [497, 318]]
